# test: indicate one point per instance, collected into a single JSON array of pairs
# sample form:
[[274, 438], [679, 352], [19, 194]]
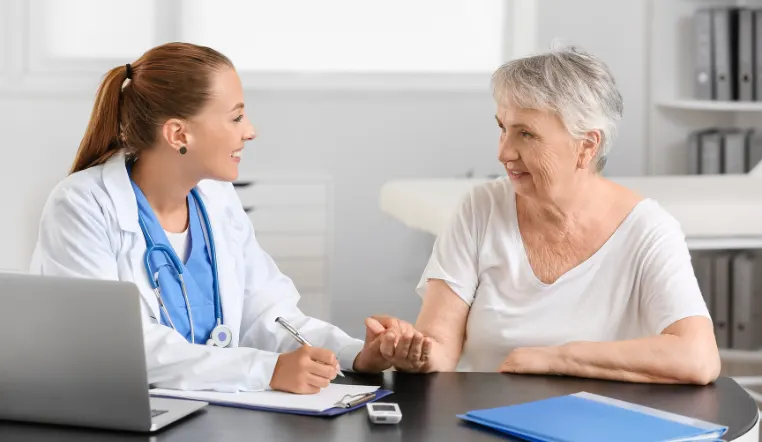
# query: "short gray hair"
[[577, 86]]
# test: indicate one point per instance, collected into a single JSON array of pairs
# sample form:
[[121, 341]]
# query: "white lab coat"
[[89, 228]]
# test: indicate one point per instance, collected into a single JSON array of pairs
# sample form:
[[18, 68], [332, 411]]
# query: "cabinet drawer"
[[289, 220], [307, 274], [264, 194], [280, 245]]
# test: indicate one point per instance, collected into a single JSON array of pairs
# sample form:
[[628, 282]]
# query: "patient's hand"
[[380, 332], [529, 360], [411, 353], [406, 348]]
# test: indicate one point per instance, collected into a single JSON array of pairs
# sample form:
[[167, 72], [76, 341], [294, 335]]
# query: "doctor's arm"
[[269, 294], [75, 241]]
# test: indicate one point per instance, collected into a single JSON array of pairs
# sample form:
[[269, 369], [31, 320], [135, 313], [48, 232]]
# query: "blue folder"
[[591, 418]]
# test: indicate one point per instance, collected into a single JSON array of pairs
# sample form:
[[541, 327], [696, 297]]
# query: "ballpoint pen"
[[300, 339]]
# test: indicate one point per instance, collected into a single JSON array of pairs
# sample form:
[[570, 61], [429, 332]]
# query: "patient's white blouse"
[[638, 283]]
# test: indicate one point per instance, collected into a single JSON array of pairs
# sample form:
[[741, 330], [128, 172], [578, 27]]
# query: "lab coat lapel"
[[140, 274], [231, 292], [117, 183]]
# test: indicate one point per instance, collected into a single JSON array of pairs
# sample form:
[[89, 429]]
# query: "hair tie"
[[129, 71]]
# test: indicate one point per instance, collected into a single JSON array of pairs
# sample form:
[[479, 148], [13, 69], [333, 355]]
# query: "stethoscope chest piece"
[[221, 336]]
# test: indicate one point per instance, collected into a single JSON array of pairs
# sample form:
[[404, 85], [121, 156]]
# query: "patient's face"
[[536, 150]]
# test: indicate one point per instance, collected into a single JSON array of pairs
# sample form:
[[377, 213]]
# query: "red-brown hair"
[[169, 81]]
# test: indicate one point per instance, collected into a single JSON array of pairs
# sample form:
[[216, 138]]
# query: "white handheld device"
[[384, 413]]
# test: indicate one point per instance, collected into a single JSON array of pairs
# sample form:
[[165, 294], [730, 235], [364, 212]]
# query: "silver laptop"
[[72, 353]]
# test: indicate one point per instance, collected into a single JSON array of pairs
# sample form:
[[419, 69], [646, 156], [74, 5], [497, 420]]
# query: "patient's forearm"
[[657, 359], [443, 318], [444, 357]]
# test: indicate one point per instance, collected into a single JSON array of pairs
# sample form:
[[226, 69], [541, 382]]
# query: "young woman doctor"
[[149, 200]]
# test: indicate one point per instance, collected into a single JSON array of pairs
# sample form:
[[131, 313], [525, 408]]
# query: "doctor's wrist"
[[369, 361], [347, 356]]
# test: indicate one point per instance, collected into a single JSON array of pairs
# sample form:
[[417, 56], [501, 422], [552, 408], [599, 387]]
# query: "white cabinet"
[[292, 220], [286, 245], [282, 194], [289, 220]]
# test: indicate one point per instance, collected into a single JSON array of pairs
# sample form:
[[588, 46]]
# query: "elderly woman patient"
[[555, 269]]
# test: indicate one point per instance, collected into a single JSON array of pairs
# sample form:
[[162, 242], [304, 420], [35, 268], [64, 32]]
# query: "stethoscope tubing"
[[153, 277]]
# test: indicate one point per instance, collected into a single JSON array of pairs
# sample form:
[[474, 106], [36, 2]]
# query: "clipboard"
[[345, 405]]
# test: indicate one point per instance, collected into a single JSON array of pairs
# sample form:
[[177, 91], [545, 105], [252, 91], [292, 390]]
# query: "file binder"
[[702, 267], [723, 151], [746, 28], [746, 305], [592, 418], [710, 153], [703, 64], [721, 319], [754, 149], [734, 148], [758, 54], [725, 34], [694, 151]]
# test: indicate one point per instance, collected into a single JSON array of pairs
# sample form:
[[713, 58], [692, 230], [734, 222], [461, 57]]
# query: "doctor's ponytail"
[[134, 100], [101, 137]]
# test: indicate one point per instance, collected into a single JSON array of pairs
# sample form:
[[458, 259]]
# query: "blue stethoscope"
[[221, 335]]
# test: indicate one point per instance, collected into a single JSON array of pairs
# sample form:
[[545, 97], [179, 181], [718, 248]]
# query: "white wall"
[[39, 139], [615, 31], [362, 139]]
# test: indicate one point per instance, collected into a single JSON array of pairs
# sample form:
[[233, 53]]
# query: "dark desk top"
[[429, 404]]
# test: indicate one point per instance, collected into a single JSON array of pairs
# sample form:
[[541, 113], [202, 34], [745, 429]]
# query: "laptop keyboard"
[[155, 413]]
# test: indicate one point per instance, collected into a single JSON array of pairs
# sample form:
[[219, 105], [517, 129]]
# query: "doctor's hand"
[[304, 371]]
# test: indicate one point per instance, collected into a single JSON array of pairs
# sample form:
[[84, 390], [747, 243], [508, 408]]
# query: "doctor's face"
[[217, 134]]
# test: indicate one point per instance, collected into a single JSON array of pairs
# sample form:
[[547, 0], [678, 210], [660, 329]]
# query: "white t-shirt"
[[638, 283], [179, 242]]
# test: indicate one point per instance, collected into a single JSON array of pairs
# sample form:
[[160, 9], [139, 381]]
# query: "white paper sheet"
[[325, 399]]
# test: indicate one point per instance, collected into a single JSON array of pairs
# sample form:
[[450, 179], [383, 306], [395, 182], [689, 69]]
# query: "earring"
[[183, 150]]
